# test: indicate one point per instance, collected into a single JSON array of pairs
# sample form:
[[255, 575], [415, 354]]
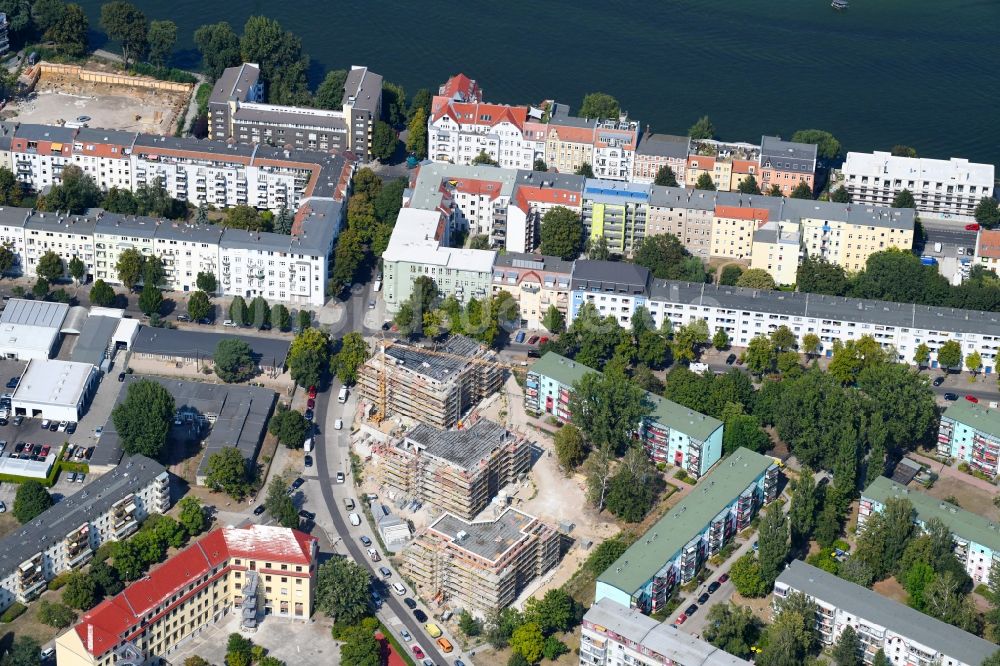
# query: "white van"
[[398, 589], [342, 396], [355, 519], [373, 555], [378, 285], [698, 367], [309, 445], [937, 247]]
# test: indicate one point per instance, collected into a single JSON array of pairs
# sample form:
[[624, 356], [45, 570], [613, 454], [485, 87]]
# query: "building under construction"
[[434, 385], [480, 566], [458, 471]]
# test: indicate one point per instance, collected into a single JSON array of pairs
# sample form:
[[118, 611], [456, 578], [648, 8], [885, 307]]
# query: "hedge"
[[59, 581], [59, 466], [14, 612]]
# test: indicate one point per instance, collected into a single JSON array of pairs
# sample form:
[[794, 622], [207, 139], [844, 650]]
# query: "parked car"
[[691, 610], [972, 398], [98, 431], [309, 415], [19, 447], [972, 227], [419, 615], [45, 451], [365, 541], [338, 424], [410, 603], [3, 508], [417, 652], [723, 578], [297, 483], [406, 635], [72, 477], [311, 403], [259, 510], [703, 599], [371, 304], [80, 477], [398, 589], [121, 376], [432, 629], [307, 461], [63, 425], [386, 572], [12, 382], [730, 359], [340, 477], [519, 338], [183, 317], [938, 381], [542, 340], [951, 397], [45, 424], [533, 339], [681, 619], [229, 323], [308, 515], [53, 426], [19, 419], [90, 452], [713, 586], [312, 391], [205, 320], [354, 518], [3, 445], [71, 428]]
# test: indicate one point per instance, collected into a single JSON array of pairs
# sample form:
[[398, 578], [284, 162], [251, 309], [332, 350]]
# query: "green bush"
[[162, 73], [14, 612], [59, 581]]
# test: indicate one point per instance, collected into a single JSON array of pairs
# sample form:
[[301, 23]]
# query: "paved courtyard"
[[293, 642]]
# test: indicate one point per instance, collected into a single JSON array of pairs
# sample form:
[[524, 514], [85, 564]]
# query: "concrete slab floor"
[[292, 641]]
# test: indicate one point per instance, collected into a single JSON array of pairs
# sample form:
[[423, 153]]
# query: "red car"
[[533, 339], [681, 619], [723, 578], [311, 403], [417, 652], [972, 398], [542, 340], [312, 392], [45, 451], [972, 227]]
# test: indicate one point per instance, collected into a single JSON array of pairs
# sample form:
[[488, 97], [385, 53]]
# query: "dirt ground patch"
[[969, 497], [59, 98], [891, 588], [8, 523], [487, 655]]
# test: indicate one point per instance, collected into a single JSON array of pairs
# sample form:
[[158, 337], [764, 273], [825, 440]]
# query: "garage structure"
[[53, 389], [31, 329]]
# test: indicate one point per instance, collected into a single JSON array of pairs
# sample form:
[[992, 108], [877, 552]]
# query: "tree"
[[107, 579], [904, 199], [40, 289], [881, 660], [195, 660], [238, 311], [192, 516], [730, 275], [484, 158], [309, 357], [760, 355], [949, 355], [847, 649], [359, 647], [219, 46], [129, 267], [290, 427], [665, 177], [945, 600], [732, 628], [702, 129], [792, 635], [774, 546], [818, 276], [585, 170], [69, 31], [802, 191], [153, 271], [234, 361], [811, 344], [688, 339], [80, 591], [245, 217], [608, 408], [304, 319], [150, 299], [393, 104], [987, 212], [128, 26], [77, 269], [50, 266], [162, 37], [283, 66], [199, 307], [30, 501], [828, 146], [283, 222], [554, 612], [805, 503], [601, 106], [668, 259], [55, 615], [749, 185], [384, 141], [46, 13], [899, 150], [416, 136], [227, 471], [280, 505], [342, 590], [420, 100], [916, 579], [500, 625], [539, 165], [101, 294], [351, 356], [143, 418], [554, 321], [747, 577], [743, 430], [259, 312], [633, 488], [528, 641], [705, 182], [469, 625], [841, 195], [756, 278], [553, 648], [562, 233], [974, 362], [281, 319], [330, 93]]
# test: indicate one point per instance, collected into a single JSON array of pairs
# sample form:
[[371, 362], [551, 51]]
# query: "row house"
[[987, 252], [785, 164], [977, 538], [474, 198], [656, 151], [847, 235], [66, 235], [904, 635], [686, 213], [607, 145], [105, 156], [66, 536], [536, 282], [970, 433], [675, 549], [733, 229], [776, 249]]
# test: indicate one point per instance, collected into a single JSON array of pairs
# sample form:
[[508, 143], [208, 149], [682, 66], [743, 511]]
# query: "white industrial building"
[[53, 389], [30, 329]]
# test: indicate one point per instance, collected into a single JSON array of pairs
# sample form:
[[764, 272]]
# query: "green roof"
[[678, 417], [975, 416], [962, 523], [683, 522]]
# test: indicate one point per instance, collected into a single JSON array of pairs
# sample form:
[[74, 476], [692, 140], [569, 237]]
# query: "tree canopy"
[[227, 471], [342, 590], [562, 233], [668, 259], [601, 106], [143, 418], [30, 501], [702, 129], [828, 146]]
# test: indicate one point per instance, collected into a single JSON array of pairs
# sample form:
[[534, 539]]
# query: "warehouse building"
[[186, 347], [977, 539], [256, 571], [483, 565], [673, 550], [53, 389], [31, 329], [436, 386], [66, 535], [458, 471], [906, 635]]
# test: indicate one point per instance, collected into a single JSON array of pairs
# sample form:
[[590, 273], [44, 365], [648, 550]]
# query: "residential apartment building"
[[615, 289], [4, 37], [457, 471], [66, 536], [105, 156], [971, 433], [535, 194], [684, 212], [474, 198], [66, 235], [776, 249], [431, 386], [847, 235], [236, 111], [537, 282], [459, 131], [608, 145], [673, 550], [733, 229], [905, 635], [480, 566], [616, 635], [656, 151], [39, 153], [977, 539], [988, 249], [939, 187], [617, 212], [671, 433], [728, 164], [786, 164], [256, 571]]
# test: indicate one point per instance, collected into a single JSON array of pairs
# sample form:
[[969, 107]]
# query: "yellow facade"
[[732, 237], [849, 245], [778, 254]]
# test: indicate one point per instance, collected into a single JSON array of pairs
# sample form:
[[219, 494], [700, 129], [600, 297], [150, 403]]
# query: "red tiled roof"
[[701, 162], [461, 85], [473, 186], [989, 244], [572, 134], [527, 194], [740, 213], [478, 114], [743, 166]]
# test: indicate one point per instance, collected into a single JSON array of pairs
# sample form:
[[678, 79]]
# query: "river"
[[917, 72]]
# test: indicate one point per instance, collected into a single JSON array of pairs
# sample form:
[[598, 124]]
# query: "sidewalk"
[[945, 470]]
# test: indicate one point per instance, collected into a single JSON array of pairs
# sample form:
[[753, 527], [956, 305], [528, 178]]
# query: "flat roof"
[[609, 276], [533, 262], [664, 145], [34, 313], [660, 638], [899, 618], [888, 166], [431, 178], [713, 493], [96, 498], [975, 416], [94, 339], [272, 114], [464, 448], [488, 539], [438, 368], [201, 345], [53, 382], [962, 523]]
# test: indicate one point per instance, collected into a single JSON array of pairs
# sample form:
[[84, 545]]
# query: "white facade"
[[470, 129], [53, 389], [250, 271]]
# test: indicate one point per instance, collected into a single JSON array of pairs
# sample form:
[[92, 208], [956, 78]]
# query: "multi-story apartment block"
[[237, 111], [67, 235], [971, 433], [726, 163], [256, 571], [616, 635], [458, 471], [65, 536], [474, 198], [617, 212], [461, 89], [4, 38], [12, 235], [906, 636], [534, 195], [733, 228], [776, 249], [939, 187], [786, 164], [39, 153], [656, 151], [847, 235], [105, 156], [607, 144], [460, 131], [684, 212], [480, 566], [432, 386], [615, 289], [671, 433], [977, 539], [673, 550], [536, 282], [988, 249], [419, 246]]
